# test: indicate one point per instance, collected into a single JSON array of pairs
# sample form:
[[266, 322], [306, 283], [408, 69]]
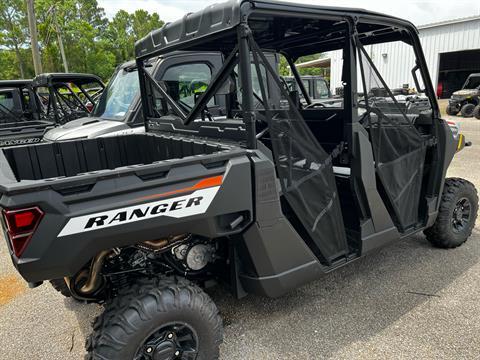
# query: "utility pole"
[[60, 41], [32, 24]]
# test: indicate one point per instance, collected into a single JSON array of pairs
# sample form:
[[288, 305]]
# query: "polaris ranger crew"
[[269, 198]]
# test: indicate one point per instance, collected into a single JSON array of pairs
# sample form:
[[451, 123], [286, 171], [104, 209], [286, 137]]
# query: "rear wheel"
[[61, 286], [476, 112], [157, 319], [467, 110], [452, 110], [456, 215]]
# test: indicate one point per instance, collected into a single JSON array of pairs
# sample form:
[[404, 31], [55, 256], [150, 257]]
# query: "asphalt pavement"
[[408, 301]]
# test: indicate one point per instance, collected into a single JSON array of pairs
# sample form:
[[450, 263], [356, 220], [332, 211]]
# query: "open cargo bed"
[[51, 160], [68, 162]]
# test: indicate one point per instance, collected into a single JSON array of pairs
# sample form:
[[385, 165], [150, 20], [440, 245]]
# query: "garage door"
[[454, 69]]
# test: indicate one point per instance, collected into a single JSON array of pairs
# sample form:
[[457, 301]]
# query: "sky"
[[420, 12]]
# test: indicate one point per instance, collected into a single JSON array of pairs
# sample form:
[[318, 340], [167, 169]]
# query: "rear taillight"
[[21, 224]]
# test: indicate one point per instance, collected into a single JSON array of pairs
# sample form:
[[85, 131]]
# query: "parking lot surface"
[[408, 301]]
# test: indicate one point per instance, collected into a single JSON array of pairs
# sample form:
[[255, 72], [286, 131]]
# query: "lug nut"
[[170, 335], [149, 350], [177, 353]]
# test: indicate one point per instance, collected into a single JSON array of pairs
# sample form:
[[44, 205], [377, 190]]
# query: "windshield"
[[117, 97], [473, 82], [322, 89]]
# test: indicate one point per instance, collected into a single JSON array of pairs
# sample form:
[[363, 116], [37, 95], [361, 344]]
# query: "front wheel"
[[456, 215], [467, 110], [157, 319], [452, 110], [476, 112]]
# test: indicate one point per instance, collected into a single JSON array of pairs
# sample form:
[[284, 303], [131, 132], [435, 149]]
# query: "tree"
[[91, 42], [14, 29], [125, 29], [143, 23]]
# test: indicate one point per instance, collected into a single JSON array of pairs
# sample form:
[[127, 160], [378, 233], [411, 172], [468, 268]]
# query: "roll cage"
[[220, 28], [365, 136], [67, 96]]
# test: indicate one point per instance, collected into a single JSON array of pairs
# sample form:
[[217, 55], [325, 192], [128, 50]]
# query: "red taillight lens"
[[21, 224]]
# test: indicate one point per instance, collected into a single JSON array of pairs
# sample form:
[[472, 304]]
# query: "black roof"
[[218, 19], [76, 78], [15, 83]]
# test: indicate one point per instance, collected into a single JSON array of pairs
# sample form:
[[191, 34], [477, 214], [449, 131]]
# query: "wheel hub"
[[461, 215], [173, 341], [165, 351]]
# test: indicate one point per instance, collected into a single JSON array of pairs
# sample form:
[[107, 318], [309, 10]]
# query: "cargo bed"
[[46, 164]]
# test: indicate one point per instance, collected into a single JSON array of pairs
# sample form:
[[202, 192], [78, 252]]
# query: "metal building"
[[451, 48]]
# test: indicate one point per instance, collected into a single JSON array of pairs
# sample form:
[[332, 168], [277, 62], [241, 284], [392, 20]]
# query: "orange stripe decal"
[[202, 184]]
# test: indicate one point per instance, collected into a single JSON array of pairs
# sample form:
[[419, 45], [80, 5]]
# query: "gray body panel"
[[89, 127]]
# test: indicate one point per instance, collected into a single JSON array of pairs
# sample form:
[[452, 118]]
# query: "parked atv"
[[29, 108], [261, 201], [467, 100]]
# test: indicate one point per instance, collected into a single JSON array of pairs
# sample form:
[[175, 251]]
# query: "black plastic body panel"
[[50, 256]]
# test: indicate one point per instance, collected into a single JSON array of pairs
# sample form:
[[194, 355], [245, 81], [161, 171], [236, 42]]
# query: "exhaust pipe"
[[94, 279]]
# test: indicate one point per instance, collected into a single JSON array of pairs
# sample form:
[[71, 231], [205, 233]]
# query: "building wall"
[[396, 66]]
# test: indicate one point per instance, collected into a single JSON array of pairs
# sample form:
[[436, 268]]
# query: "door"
[[304, 170], [399, 133]]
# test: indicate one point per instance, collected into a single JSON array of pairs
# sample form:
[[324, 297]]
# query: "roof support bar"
[[298, 79], [245, 72]]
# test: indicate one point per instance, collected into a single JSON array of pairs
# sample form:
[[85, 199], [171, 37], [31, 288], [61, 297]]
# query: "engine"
[[184, 255]]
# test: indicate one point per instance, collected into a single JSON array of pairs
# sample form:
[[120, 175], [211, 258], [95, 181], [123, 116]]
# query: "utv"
[[267, 198], [467, 100], [29, 108], [316, 86], [67, 96], [21, 119]]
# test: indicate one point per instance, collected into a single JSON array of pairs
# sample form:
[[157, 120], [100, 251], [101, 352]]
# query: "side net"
[[398, 147], [303, 167]]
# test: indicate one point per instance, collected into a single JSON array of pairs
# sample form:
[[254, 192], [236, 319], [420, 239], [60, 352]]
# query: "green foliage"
[[125, 29], [92, 43], [285, 68]]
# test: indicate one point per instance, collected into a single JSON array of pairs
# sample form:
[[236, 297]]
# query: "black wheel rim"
[[173, 341], [461, 215]]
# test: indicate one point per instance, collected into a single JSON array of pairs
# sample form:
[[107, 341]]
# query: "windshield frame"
[[470, 79], [121, 72]]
